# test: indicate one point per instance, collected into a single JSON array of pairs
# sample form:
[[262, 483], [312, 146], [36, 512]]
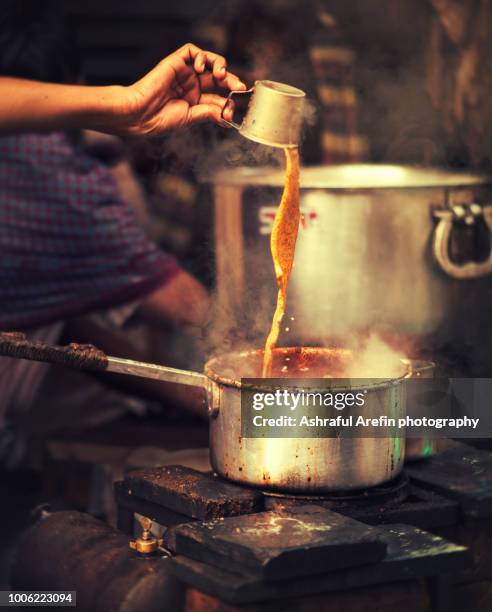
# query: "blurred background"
[[365, 65]]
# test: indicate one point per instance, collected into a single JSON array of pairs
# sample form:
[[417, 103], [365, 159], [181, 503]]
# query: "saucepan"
[[306, 466]]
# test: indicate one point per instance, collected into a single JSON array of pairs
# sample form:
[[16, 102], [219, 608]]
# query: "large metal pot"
[[301, 465], [379, 246]]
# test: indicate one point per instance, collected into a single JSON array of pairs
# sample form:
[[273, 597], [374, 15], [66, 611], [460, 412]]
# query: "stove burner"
[[393, 491], [208, 521]]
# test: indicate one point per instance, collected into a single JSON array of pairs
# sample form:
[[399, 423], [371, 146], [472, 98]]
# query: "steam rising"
[[374, 358], [310, 113]]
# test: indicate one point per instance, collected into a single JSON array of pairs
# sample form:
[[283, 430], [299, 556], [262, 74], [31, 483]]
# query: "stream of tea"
[[283, 244]]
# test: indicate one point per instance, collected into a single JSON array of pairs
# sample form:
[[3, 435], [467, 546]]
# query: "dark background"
[[119, 40]]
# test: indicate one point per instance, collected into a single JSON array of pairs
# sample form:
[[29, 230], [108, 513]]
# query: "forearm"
[[30, 106], [181, 301], [179, 91]]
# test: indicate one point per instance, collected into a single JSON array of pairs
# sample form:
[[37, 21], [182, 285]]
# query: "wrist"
[[110, 109]]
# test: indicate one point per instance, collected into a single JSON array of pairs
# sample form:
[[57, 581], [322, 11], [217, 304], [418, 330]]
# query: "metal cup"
[[273, 116]]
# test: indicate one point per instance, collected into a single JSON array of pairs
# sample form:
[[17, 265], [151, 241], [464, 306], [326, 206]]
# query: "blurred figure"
[[299, 43], [73, 250]]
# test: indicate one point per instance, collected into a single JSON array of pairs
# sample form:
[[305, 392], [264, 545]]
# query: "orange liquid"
[[283, 245]]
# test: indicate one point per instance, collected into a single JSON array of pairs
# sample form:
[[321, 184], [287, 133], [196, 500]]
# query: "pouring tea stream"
[[274, 118]]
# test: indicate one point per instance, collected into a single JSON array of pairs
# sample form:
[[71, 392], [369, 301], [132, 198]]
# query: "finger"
[[198, 57], [200, 62], [230, 81], [178, 90], [186, 83], [206, 112], [228, 111], [217, 63], [188, 52], [219, 66], [226, 106], [208, 98]]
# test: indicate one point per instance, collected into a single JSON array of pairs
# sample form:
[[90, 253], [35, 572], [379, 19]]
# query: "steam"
[[242, 323], [374, 358], [236, 151], [310, 114]]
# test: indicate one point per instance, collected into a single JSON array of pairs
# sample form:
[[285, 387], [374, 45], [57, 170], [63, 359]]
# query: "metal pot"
[[301, 465], [379, 246]]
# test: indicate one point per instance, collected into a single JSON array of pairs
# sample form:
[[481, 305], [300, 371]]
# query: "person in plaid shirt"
[[70, 242]]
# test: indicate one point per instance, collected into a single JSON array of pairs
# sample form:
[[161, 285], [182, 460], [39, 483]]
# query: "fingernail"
[[222, 70]]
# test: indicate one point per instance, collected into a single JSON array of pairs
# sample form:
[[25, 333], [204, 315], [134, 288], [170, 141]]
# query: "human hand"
[[179, 91]]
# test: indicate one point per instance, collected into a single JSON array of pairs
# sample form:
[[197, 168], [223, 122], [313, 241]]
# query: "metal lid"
[[353, 176]]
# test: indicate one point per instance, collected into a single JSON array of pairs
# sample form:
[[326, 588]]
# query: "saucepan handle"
[[88, 357], [79, 356], [446, 219], [233, 124]]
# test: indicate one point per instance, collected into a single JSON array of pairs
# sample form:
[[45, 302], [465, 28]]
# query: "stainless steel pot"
[[379, 247], [301, 465]]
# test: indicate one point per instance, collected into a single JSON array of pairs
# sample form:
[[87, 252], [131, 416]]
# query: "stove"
[[423, 537]]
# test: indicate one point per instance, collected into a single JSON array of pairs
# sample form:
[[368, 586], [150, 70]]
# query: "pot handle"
[[78, 356], [228, 100], [442, 232], [88, 357]]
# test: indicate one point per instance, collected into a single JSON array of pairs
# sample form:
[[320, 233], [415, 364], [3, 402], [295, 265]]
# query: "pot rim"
[[356, 177], [226, 381]]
